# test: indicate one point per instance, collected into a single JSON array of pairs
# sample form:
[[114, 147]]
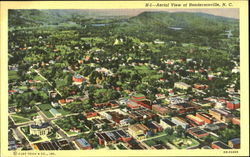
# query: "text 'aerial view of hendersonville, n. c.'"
[[123, 80]]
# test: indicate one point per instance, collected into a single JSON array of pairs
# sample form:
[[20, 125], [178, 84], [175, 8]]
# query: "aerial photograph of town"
[[123, 80]]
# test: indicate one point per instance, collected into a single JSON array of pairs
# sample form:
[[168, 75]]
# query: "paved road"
[[19, 134], [55, 127], [47, 81]]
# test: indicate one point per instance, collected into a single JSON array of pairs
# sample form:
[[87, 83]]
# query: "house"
[[62, 102], [200, 86], [221, 115], [181, 85], [166, 123], [219, 145], [78, 79], [234, 143], [54, 112], [138, 131], [90, 114], [83, 144], [197, 132], [55, 104]]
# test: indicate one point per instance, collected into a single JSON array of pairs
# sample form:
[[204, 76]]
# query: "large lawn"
[[180, 143], [45, 109], [20, 118]]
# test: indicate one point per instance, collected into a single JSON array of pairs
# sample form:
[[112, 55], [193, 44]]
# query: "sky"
[[226, 12]]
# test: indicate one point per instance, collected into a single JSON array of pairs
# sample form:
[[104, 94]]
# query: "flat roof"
[[235, 141], [221, 145], [83, 142], [192, 117], [169, 122]]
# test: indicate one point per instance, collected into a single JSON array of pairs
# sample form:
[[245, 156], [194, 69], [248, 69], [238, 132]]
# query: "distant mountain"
[[180, 19], [167, 26]]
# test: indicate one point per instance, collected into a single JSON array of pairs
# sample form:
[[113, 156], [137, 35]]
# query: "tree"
[[180, 131], [169, 131]]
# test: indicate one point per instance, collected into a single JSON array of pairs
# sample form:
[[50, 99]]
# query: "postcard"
[[124, 78]]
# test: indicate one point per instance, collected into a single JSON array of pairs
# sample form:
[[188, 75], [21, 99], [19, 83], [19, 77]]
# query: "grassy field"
[[45, 109], [154, 141], [181, 143], [185, 143], [63, 112], [19, 119]]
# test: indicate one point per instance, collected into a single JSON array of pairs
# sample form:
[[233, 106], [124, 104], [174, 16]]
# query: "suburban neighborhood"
[[98, 83]]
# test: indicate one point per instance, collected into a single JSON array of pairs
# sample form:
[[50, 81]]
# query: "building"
[[138, 131], [40, 127], [180, 121], [141, 113], [236, 121], [55, 104], [181, 85], [106, 115], [132, 105], [90, 114], [232, 105], [195, 119], [211, 127], [166, 123], [54, 145], [159, 109], [197, 132], [234, 143], [154, 126], [83, 144], [207, 118], [54, 112], [219, 145], [141, 100], [206, 147], [78, 79], [182, 107], [200, 86], [221, 125], [221, 115], [118, 118], [111, 137], [62, 102]]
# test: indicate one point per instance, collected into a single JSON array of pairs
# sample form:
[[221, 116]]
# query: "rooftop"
[[235, 141], [221, 145], [83, 142]]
